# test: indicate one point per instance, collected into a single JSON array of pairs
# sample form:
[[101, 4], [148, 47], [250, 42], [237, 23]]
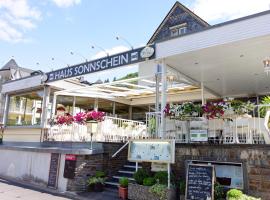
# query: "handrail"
[[119, 150]]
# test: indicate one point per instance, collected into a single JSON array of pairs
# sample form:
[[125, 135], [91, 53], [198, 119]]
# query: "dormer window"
[[178, 29]]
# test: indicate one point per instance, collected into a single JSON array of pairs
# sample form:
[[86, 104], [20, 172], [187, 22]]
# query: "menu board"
[[160, 151], [70, 166], [200, 182], [54, 168]]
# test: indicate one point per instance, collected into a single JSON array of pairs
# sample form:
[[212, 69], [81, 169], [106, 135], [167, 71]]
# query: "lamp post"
[[125, 40], [102, 49]]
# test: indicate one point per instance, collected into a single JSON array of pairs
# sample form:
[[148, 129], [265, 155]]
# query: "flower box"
[[140, 192]]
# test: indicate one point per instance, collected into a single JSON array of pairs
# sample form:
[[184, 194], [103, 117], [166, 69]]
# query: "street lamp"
[[102, 49], [125, 40]]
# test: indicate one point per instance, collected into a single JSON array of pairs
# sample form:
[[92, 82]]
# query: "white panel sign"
[[160, 151]]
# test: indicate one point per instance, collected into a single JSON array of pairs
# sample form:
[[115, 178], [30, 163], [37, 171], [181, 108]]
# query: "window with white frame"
[[178, 30]]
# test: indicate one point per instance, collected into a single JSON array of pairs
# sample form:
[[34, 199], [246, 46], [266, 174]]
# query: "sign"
[[126, 58], [198, 135], [147, 52], [158, 167], [159, 151], [200, 182], [70, 166], [54, 170]]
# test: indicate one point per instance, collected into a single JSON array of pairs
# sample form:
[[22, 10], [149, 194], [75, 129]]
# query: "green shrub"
[[140, 175], [123, 182], [234, 194], [95, 180], [219, 191], [182, 187], [100, 174], [149, 181], [159, 190], [161, 177]]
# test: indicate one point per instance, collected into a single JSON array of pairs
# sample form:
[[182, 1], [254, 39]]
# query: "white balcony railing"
[[111, 129]]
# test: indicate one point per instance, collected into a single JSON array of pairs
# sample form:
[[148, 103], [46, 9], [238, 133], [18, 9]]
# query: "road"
[[10, 191]]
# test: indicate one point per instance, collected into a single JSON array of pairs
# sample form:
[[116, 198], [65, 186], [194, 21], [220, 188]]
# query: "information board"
[[200, 182], [70, 166], [160, 151], [54, 168]]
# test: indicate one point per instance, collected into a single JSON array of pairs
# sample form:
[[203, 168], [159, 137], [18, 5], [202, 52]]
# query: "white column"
[[202, 93], [45, 105], [96, 104], [114, 104], [54, 105], [6, 108], [74, 106], [163, 98]]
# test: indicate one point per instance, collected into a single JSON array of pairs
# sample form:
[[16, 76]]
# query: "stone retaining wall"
[[255, 160], [87, 165]]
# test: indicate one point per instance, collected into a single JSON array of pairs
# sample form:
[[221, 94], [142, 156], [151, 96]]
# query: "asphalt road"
[[10, 191]]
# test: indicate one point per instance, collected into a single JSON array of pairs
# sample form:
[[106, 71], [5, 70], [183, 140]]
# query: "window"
[[178, 30], [229, 175], [25, 109]]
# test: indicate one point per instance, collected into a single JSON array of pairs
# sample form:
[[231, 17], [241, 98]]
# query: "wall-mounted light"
[[266, 64]]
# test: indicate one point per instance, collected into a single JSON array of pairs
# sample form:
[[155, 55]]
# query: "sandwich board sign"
[[200, 182]]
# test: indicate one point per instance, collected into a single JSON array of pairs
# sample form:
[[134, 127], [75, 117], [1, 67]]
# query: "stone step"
[[129, 178], [132, 166]]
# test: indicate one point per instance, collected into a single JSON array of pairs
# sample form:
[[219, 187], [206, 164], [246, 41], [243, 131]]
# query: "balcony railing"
[[241, 130], [111, 130]]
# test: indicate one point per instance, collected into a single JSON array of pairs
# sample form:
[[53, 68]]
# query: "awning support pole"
[[45, 105], [157, 79], [6, 109], [164, 98], [96, 104], [202, 93], [74, 105], [54, 105]]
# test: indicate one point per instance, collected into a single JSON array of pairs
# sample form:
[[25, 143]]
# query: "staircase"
[[126, 171]]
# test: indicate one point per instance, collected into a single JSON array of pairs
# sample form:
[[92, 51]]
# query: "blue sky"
[[35, 31]]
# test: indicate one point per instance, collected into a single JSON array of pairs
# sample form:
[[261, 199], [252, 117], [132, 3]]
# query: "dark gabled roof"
[[12, 64], [177, 4]]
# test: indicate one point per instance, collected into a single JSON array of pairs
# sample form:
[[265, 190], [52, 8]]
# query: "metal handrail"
[[119, 150]]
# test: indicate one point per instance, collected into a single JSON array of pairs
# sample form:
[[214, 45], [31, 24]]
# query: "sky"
[[35, 31]]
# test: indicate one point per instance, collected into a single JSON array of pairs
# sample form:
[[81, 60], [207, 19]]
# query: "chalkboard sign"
[[200, 182], [54, 168], [70, 166]]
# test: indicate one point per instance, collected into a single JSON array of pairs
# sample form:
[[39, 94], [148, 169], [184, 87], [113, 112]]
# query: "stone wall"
[[255, 160], [87, 165], [112, 165]]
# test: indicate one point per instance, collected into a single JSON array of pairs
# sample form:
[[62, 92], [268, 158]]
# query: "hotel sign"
[[126, 58]]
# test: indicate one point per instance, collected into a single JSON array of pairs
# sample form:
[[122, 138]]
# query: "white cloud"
[[114, 50], [16, 17], [221, 10], [66, 3]]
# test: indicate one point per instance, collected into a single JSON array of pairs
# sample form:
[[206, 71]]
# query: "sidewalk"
[[12, 190]]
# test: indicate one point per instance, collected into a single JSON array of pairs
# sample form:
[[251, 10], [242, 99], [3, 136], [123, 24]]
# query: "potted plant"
[[213, 110], [123, 188], [96, 183]]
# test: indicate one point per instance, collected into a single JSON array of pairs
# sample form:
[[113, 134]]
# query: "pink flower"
[[80, 118]]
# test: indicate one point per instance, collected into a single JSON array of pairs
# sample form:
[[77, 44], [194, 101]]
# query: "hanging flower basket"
[[67, 119]]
